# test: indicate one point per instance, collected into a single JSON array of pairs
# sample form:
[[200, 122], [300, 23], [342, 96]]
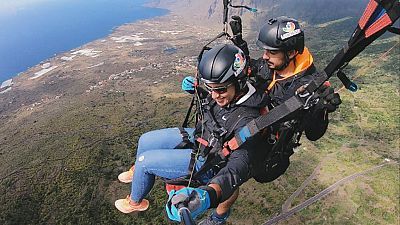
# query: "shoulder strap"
[[378, 17]]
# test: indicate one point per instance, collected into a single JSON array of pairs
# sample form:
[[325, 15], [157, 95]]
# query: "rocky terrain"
[[70, 125]]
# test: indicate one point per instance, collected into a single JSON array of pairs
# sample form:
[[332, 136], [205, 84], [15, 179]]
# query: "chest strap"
[[277, 114]]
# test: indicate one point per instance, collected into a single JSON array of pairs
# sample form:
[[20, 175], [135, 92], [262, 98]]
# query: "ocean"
[[34, 30]]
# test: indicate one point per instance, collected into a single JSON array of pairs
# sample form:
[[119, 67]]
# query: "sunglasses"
[[219, 89]]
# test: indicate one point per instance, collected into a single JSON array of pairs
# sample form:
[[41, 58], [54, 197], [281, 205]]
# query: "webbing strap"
[[392, 8], [355, 45], [253, 127], [186, 121], [185, 143], [192, 162], [202, 141]]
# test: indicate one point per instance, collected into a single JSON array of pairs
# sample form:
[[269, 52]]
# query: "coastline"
[[68, 133], [56, 53], [191, 13], [128, 51], [36, 72]]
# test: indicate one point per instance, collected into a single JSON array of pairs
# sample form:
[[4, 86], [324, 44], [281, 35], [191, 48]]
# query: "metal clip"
[[204, 102], [272, 139], [221, 132], [212, 141], [309, 99]]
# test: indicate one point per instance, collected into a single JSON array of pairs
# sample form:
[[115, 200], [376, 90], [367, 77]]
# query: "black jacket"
[[220, 123], [313, 121]]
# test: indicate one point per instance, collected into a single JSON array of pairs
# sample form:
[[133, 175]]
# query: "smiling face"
[[223, 94]]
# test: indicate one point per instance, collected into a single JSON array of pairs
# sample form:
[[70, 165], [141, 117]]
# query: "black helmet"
[[221, 64], [282, 33]]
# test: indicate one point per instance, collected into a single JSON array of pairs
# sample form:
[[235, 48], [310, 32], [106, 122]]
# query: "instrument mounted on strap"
[[378, 17]]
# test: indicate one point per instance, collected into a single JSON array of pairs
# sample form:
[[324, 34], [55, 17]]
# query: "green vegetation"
[[59, 164]]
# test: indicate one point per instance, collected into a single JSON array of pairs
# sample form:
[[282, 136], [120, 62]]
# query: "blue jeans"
[[156, 156]]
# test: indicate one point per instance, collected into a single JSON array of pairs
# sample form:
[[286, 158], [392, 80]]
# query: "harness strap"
[[186, 121], [378, 18], [192, 162], [255, 126], [209, 164], [202, 141], [185, 143], [225, 151]]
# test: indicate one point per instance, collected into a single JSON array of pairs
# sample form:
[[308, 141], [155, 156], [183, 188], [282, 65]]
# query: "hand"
[[188, 84], [196, 200], [236, 25], [330, 99], [237, 39]]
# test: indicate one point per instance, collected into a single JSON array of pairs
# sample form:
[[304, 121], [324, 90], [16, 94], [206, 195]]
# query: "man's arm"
[[316, 123], [317, 120], [237, 39]]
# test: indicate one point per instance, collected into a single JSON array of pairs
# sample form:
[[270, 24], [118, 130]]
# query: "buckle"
[[184, 135], [271, 139], [212, 141], [204, 101], [221, 131], [308, 99]]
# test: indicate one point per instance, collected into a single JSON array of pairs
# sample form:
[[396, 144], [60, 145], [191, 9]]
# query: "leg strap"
[[185, 143]]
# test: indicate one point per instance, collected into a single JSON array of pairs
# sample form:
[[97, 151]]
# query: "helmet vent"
[[271, 21], [215, 59]]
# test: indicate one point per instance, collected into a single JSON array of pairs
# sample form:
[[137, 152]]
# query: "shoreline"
[[145, 4], [166, 45]]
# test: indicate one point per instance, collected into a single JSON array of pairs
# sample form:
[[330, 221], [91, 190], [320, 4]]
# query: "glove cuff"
[[212, 194]]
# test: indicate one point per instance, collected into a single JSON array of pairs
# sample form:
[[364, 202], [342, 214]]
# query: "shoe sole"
[[125, 181], [123, 210]]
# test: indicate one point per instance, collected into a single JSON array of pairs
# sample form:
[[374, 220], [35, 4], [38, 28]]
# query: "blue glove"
[[188, 84], [195, 199]]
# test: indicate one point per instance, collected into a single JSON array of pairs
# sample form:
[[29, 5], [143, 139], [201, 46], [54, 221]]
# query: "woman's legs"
[[166, 163], [167, 138]]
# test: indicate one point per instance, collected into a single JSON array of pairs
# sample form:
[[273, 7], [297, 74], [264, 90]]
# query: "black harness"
[[208, 143]]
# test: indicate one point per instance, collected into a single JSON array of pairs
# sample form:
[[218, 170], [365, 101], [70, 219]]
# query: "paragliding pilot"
[[229, 101]]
